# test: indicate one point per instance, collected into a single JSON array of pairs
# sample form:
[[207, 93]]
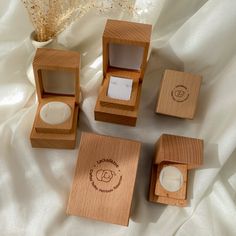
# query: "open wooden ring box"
[[175, 155], [57, 83], [125, 53]]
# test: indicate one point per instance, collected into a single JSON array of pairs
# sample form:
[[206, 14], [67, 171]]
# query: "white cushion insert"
[[55, 113], [120, 88], [171, 178]]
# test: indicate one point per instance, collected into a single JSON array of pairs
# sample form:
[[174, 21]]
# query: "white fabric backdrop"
[[196, 36]]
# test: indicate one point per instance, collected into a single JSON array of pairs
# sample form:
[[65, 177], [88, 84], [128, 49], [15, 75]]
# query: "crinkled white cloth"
[[197, 36]]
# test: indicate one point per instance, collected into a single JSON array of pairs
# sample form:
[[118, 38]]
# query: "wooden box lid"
[[178, 94], [179, 149], [53, 60], [129, 34], [104, 178]]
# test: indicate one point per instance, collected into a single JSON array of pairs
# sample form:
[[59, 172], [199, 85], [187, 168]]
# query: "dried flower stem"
[[50, 17]]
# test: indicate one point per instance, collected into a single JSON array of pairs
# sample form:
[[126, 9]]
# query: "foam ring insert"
[[171, 178], [55, 113], [120, 88]]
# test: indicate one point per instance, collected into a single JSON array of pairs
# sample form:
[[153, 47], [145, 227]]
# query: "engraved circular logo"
[[180, 93], [105, 175]]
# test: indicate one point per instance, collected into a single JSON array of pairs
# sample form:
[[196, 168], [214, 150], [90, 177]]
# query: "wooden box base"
[[117, 115], [56, 140], [158, 195]]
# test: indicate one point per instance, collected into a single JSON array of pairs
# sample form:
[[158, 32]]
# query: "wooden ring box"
[[57, 80], [104, 179], [178, 94], [125, 52], [181, 152]]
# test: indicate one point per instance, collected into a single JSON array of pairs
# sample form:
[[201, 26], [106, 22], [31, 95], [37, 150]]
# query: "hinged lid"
[[178, 149], [125, 46], [178, 94], [57, 73], [104, 178]]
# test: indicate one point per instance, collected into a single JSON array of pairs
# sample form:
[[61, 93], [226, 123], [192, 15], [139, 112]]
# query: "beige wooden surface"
[[124, 32], [178, 94], [104, 178], [179, 149]]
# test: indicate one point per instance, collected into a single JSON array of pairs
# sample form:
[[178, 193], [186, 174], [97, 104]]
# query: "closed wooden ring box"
[[180, 152], [178, 94], [57, 80], [125, 53], [104, 179]]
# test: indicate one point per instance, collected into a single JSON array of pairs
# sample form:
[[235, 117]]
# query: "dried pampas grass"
[[50, 17]]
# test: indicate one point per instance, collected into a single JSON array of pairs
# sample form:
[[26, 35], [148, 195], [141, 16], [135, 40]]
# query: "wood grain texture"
[[52, 59], [126, 31], [181, 152], [117, 115], [179, 149], [178, 94], [104, 178], [55, 136], [130, 33], [123, 73]]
